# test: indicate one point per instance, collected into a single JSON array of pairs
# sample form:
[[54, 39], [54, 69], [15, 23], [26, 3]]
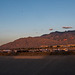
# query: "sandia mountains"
[[54, 38]]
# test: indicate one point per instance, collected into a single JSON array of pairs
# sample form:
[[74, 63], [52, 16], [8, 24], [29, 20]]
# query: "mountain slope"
[[54, 38]]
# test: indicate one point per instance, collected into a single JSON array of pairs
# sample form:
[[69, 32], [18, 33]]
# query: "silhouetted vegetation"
[[25, 54], [63, 53], [38, 53]]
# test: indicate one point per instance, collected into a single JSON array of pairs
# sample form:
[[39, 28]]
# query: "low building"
[[6, 51]]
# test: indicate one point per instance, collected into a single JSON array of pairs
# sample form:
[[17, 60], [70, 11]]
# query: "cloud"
[[50, 29], [66, 27]]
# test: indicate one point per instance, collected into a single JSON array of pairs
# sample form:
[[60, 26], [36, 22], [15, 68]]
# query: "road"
[[37, 65]]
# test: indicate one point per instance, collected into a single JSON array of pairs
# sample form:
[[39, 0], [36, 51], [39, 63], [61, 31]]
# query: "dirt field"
[[37, 65]]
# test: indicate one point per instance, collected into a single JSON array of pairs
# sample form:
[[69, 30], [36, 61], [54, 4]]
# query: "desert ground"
[[37, 65]]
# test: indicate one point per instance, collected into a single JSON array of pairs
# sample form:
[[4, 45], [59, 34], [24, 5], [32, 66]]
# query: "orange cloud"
[[66, 27]]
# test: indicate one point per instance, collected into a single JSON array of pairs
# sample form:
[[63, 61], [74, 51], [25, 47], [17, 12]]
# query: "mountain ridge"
[[54, 38]]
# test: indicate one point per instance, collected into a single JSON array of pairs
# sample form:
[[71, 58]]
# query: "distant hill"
[[54, 38]]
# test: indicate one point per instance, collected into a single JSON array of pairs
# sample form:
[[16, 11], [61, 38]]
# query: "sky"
[[24, 18]]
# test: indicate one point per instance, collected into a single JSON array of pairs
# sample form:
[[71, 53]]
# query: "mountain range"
[[54, 38]]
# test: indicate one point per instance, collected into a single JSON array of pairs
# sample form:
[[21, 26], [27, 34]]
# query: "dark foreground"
[[37, 65]]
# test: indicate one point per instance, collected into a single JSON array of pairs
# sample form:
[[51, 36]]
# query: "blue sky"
[[23, 18]]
